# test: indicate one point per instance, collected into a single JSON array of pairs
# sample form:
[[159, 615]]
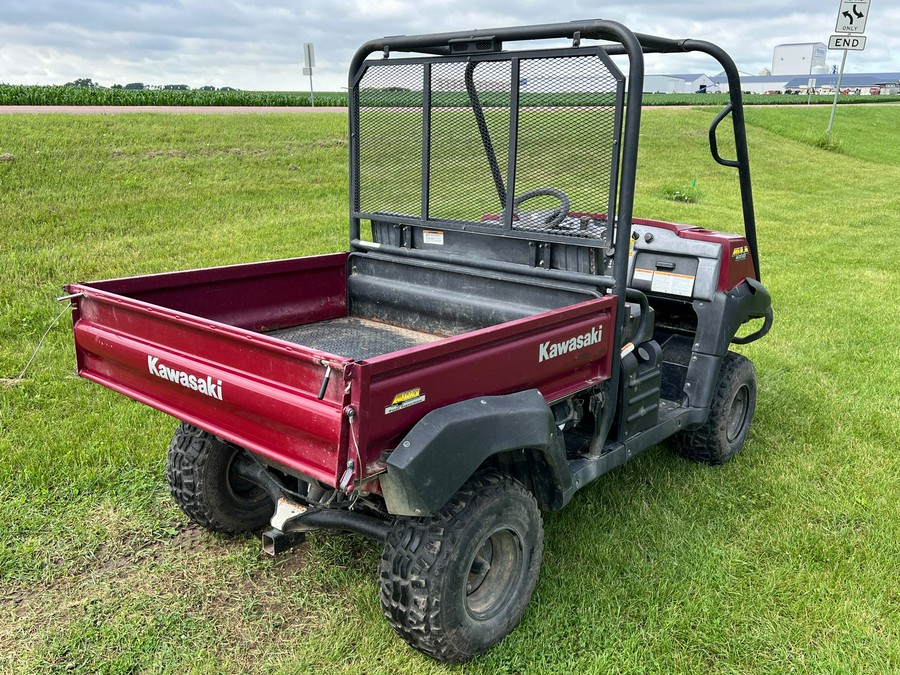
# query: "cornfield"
[[12, 94]]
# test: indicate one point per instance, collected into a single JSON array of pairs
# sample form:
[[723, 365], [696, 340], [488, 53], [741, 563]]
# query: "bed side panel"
[[248, 388], [257, 296], [558, 352]]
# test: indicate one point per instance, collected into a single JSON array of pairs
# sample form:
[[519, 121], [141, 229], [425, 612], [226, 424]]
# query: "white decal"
[[206, 386], [673, 284], [643, 275], [435, 237], [548, 350]]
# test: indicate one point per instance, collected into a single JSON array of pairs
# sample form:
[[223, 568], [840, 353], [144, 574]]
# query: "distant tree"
[[116, 86], [83, 82], [176, 87], [227, 89], [135, 85], [208, 87]]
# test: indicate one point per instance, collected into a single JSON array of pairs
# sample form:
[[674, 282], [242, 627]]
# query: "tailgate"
[[250, 389]]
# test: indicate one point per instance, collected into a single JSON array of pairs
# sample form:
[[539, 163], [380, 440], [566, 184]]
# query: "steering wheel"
[[552, 217]]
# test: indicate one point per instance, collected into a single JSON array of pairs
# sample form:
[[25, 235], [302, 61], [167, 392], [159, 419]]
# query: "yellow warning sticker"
[[405, 399], [406, 395]]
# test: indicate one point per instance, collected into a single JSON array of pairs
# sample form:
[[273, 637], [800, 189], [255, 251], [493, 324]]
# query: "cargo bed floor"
[[354, 338]]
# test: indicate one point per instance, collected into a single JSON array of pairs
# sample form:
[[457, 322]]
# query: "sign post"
[[851, 19], [309, 62]]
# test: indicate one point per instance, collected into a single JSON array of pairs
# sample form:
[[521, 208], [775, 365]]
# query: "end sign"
[[854, 43]]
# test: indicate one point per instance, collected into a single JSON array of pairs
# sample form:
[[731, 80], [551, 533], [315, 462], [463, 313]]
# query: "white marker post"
[[851, 19], [309, 62]]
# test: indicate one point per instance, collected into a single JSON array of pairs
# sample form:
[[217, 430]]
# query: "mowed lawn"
[[787, 559]]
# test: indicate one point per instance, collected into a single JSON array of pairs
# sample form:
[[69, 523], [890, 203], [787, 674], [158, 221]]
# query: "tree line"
[[88, 83]]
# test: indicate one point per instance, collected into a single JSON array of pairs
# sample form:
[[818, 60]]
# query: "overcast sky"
[[257, 44]]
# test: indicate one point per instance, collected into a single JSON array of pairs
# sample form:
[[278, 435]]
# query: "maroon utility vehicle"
[[501, 332]]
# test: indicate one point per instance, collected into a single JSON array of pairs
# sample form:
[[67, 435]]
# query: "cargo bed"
[[354, 338], [273, 355]]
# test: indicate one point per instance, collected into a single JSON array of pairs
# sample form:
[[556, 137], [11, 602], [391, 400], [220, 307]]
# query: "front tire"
[[201, 477], [730, 415], [456, 583]]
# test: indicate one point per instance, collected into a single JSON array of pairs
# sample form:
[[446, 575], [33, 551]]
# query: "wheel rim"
[[242, 490], [494, 573], [738, 416]]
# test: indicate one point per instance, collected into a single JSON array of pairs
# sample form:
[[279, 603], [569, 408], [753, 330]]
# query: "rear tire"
[[456, 583], [201, 477], [730, 415]]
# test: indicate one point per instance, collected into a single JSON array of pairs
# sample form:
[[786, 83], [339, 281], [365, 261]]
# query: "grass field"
[[785, 560]]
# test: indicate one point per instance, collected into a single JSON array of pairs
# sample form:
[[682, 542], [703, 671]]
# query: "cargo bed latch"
[[348, 474], [324, 380]]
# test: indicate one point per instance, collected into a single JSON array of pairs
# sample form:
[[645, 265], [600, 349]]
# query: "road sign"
[[854, 43], [309, 62], [852, 15]]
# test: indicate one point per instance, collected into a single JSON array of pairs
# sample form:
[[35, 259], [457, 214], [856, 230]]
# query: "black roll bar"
[[742, 164], [652, 44], [625, 43], [630, 44]]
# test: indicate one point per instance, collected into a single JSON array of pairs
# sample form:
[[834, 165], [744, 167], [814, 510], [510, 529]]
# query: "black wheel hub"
[[494, 573], [737, 417], [242, 490]]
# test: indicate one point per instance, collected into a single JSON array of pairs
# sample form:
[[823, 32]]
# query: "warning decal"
[[433, 237], [405, 400], [673, 284]]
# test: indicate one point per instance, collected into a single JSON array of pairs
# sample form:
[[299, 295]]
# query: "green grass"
[[687, 193], [784, 560]]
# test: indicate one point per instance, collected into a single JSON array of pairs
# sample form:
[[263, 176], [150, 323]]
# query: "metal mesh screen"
[[390, 140], [566, 141], [563, 132], [463, 185]]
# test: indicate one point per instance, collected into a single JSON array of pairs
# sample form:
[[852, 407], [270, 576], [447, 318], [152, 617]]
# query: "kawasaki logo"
[[204, 386], [550, 350]]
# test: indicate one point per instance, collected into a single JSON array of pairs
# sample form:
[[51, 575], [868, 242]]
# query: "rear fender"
[[718, 321], [448, 445]]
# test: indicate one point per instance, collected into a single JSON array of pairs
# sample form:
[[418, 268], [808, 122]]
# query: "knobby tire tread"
[[705, 443], [190, 452], [410, 567]]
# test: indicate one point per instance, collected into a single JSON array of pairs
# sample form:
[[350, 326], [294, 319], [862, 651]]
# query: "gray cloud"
[[253, 44]]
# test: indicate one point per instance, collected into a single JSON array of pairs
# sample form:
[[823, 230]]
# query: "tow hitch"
[[292, 520]]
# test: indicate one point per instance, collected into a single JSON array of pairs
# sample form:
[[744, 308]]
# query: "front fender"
[[448, 445]]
